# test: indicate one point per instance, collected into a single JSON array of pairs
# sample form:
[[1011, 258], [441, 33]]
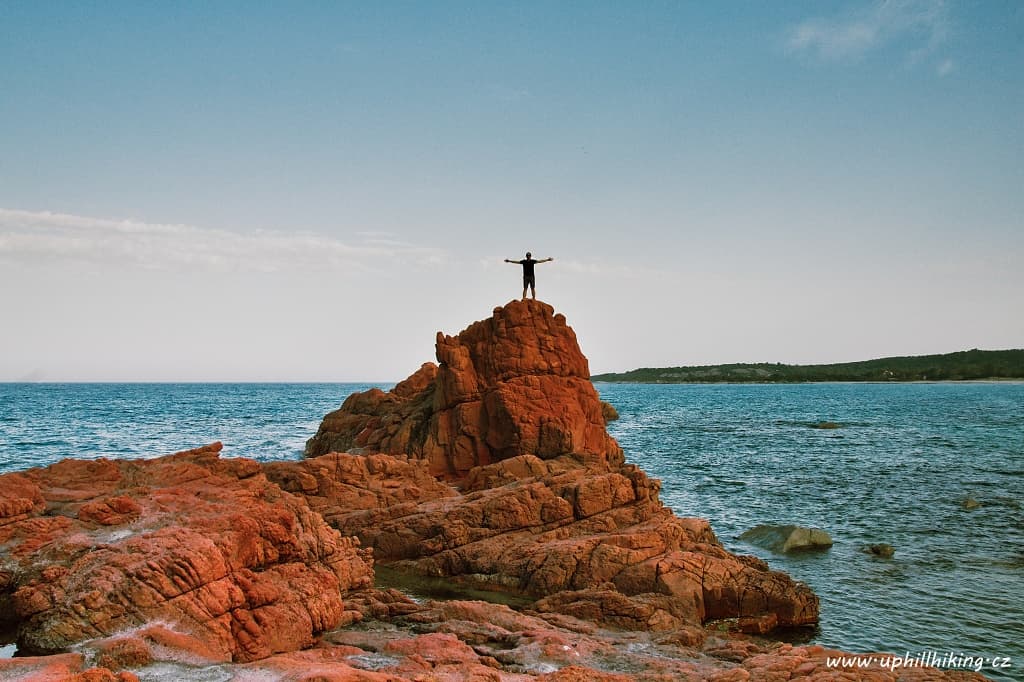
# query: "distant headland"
[[970, 365]]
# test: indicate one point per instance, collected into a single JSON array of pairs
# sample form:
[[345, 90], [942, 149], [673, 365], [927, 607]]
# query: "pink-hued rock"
[[513, 384], [206, 544], [42, 668], [19, 498], [339, 486], [112, 511], [531, 493], [461, 642], [464, 641], [123, 652], [58, 668]]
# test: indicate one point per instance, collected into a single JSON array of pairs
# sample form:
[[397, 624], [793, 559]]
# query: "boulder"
[[609, 412], [208, 544], [879, 549], [787, 538], [19, 498]]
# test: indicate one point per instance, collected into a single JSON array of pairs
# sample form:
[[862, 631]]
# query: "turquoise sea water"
[[42, 423], [905, 458], [897, 471]]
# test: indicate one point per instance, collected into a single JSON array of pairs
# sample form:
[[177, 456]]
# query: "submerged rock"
[[787, 538], [880, 549]]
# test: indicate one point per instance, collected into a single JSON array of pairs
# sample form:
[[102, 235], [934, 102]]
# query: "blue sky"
[[308, 191]]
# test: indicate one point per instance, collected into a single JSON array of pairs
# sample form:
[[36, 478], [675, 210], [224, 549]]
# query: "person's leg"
[[533, 291]]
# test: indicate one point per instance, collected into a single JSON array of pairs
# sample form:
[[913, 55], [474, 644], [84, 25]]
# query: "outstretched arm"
[[513, 262], [546, 260]]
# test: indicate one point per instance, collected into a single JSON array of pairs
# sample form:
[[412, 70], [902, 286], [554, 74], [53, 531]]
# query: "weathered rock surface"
[[59, 668], [538, 498], [208, 545], [513, 384], [473, 641], [787, 538]]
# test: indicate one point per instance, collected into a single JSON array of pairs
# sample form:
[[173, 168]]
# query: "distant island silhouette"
[[970, 365]]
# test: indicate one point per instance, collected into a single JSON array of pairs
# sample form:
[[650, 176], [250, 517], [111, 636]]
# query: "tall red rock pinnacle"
[[514, 384]]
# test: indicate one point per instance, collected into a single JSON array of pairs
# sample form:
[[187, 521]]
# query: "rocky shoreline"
[[491, 469]]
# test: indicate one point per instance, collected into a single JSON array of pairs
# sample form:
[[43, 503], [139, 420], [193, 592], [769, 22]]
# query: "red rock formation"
[[207, 545], [19, 498], [514, 384], [463, 641], [59, 668], [540, 501]]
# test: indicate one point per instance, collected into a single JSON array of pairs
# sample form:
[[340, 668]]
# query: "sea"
[[934, 469]]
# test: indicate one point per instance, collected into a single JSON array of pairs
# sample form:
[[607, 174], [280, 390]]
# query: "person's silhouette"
[[529, 279]]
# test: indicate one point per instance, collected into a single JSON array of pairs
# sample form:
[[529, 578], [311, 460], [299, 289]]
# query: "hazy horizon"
[[278, 193], [395, 380]]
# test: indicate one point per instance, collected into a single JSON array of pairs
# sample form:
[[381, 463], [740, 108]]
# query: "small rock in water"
[[880, 549], [787, 538], [826, 425], [970, 503]]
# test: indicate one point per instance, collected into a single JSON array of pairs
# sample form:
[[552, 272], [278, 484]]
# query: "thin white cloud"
[[945, 67], [42, 236], [924, 24]]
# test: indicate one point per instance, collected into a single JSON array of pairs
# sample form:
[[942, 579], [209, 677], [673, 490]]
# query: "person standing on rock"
[[528, 277]]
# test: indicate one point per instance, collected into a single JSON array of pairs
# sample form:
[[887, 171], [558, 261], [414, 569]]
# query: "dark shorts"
[[529, 281]]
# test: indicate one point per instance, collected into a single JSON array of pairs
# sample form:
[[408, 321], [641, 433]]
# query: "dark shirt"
[[527, 264]]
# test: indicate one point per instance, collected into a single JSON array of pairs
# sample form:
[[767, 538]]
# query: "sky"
[[310, 191]]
